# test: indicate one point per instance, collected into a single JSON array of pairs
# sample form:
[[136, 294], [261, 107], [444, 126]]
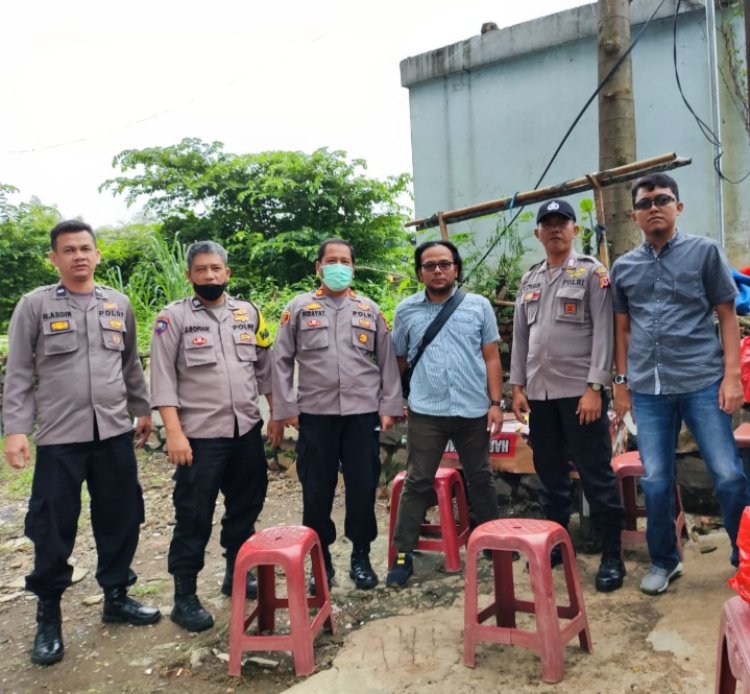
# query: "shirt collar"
[[676, 238], [425, 298]]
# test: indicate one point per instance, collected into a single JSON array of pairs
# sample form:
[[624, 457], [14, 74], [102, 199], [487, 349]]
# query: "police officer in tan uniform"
[[209, 363], [561, 363], [349, 389], [77, 340]]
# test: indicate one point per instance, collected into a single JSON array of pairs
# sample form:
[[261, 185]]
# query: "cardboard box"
[[509, 451]]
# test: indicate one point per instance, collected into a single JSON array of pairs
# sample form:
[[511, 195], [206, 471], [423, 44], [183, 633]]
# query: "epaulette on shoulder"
[[178, 302], [535, 266], [588, 259], [39, 290]]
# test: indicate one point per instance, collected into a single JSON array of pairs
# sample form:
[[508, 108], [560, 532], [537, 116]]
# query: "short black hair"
[[655, 180], [422, 247], [69, 226], [328, 242], [202, 247]]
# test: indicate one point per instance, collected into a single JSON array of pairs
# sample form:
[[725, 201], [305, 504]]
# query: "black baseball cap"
[[555, 207]]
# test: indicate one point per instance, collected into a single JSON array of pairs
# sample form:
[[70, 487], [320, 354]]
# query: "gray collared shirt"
[[209, 365], [562, 329], [344, 355], [85, 362], [670, 298]]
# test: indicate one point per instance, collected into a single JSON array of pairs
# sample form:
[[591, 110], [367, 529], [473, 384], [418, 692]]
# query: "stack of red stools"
[[535, 539], [452, 533], [286, 547]]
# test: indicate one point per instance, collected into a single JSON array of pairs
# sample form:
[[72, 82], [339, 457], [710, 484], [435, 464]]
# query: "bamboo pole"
[[619, 174]]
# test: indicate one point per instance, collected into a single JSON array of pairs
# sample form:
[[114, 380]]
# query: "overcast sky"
[[85, 79]]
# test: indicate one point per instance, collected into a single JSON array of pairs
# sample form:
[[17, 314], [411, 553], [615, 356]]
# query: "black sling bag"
[[429, 335]]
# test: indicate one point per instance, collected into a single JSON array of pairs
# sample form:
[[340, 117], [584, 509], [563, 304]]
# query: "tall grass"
[[158, 279]]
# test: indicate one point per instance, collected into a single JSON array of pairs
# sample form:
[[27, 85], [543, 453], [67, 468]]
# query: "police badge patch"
[[161, 324]]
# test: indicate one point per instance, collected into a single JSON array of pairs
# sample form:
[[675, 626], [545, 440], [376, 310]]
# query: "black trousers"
[[351, 442], [557, 437], [427, 438], [110, 470], [236, 467]]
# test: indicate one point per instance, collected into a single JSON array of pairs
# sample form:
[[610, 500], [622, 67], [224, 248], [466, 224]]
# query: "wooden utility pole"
[[616, 121], [747, 47]]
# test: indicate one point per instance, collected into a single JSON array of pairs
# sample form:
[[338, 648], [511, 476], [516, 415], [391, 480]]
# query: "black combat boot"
[[48, 643], [361, 570], [251, 583], [330, 573], [611, 571], [188, 611], [120, 607]]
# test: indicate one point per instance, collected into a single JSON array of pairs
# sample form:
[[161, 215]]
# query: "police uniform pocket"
[[363, 332], [112, 330], [570, 304], [200, 349], [687, 286], [531, 307], [244, 341], [313, 332], [60, 337]]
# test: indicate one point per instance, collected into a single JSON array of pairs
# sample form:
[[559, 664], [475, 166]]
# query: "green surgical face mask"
[[337, 277]]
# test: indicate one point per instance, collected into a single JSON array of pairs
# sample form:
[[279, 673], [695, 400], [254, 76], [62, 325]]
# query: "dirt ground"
[[385, 641]]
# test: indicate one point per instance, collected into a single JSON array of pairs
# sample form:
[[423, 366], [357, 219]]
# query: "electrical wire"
[[705, 129], [604, 81]]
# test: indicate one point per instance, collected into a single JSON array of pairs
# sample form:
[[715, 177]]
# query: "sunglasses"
[[444, 265], [660, 201]]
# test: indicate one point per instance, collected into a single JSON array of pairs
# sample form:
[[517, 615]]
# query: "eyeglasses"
[[660, 201], [444, 265]]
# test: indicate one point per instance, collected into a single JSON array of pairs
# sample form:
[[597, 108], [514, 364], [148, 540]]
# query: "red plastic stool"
[[733, 657], [453, 535], [535, 539], [628, 468], [287, 547], [742, 435]]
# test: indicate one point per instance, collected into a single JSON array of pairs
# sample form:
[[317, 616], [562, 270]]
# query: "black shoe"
[[48, 645], [119, 607], [555, 556], [190, 614], [611, 573], [403, 567], [251, 585], [330, 573], [361, 571], [188, 611]]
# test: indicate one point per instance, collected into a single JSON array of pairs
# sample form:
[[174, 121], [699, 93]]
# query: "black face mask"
[[209, 292]]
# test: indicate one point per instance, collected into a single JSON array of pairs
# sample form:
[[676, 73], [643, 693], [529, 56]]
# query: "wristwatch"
[[620, 379], [596, 387], [498, 403]]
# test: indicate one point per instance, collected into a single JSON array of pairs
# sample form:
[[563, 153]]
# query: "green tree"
[[24, 245], [270, 210]]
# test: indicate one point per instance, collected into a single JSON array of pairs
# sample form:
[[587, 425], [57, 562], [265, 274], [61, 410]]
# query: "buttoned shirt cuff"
[[599, 376], [17, 426], [282, 410]]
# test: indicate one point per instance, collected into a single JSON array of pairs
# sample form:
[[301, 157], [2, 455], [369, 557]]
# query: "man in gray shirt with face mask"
[[209, 363], [349, 390]]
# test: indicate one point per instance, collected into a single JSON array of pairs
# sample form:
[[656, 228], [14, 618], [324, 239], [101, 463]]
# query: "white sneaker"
[[657, 580]]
